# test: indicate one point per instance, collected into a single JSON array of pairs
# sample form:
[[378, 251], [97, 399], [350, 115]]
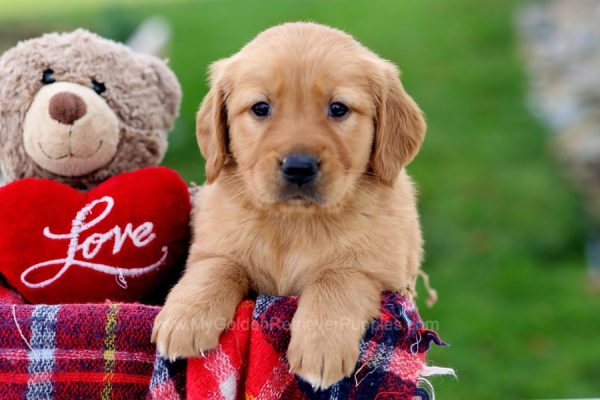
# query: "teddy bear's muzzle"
[[70, 130]]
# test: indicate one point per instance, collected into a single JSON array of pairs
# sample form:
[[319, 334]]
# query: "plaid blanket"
[[103, 351], [250, 361], [88, 351]]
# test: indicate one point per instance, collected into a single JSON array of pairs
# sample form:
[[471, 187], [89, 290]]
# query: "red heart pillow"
[[118, 241]]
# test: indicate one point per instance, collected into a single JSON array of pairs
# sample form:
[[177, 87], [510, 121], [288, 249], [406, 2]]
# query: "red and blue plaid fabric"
[[91, 351], [250, 361], [103, 351]]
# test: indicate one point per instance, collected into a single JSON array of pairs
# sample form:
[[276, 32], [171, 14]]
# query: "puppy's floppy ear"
[[211, 123], [399, 125]]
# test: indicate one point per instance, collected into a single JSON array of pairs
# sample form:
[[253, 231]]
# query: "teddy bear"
[[86, 213]]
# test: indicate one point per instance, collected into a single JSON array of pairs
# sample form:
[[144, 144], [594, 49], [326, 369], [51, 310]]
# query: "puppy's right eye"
[[261, 109], [337, 110], [48, 77]]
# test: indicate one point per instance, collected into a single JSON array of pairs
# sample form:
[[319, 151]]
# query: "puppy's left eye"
[[98, 86], [261, 109], [337, 110]]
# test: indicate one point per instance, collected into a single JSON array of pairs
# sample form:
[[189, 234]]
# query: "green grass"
[[38, 9], [503, 230]]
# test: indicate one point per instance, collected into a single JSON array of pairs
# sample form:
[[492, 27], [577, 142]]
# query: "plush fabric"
[[103, 351], [9, 296], [141, 90], [70, 130], [118, 241]]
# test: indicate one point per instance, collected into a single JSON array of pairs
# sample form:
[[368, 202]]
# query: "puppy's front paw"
[[187, 331], [322, 357]]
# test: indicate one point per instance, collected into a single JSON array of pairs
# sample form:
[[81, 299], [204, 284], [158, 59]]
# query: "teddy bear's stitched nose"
[[66, 108]]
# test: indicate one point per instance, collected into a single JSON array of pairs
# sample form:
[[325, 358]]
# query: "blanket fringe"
[[426, 390], [432, 295], [14, 315], [432, 370]]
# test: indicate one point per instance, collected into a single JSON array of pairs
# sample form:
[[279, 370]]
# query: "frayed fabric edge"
[[426, 391], [432, 370]]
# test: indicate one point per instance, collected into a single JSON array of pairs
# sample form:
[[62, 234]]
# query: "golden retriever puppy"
[[306, 134]]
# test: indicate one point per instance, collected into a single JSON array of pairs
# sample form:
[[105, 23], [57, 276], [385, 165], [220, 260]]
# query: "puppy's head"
[[301, 113]]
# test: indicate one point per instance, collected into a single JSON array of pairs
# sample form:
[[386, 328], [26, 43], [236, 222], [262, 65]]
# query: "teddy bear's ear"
[[211, 123], [170, 90]]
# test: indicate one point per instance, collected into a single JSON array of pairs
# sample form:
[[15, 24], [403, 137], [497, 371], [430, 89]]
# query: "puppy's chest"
[[284, 265]]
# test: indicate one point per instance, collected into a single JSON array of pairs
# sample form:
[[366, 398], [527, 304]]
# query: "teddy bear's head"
[[79, 109]]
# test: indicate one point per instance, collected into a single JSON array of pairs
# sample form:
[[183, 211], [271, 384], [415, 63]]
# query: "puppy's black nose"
[[299, 168]]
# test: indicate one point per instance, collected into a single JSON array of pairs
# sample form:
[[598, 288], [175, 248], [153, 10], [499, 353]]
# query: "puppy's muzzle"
[[299, 169]]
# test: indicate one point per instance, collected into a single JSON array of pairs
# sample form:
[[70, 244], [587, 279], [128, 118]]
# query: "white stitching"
[[139, 237]]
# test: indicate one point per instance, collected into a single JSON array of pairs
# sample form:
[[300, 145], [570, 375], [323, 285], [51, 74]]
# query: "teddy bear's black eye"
[[98, 86], [261, 109], [48, 77], [337, 110]]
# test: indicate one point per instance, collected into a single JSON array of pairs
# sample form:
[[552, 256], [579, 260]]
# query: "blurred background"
[[506, 217]]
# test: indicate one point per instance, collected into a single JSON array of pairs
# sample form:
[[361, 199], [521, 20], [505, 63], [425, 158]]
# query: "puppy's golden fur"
[[337, 246]]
